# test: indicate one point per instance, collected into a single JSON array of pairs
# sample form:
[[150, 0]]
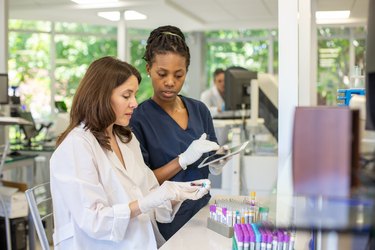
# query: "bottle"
[[263, 214]]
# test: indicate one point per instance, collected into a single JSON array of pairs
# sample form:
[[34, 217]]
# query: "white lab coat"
[[213, 100], [91, 191]]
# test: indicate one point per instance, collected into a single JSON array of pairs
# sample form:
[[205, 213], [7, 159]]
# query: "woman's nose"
[[134, 103], [170, 81]]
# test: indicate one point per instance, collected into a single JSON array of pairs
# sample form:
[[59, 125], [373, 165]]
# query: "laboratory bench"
[[321, 222]]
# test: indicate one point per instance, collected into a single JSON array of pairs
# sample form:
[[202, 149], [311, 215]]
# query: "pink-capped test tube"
[[239, 237], [246, 239]]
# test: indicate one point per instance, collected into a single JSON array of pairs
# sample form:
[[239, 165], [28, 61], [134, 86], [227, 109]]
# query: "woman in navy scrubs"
[[175, 132]]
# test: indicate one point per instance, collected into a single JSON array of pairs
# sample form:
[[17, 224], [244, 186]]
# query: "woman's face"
[[123, 100], [168, 73]]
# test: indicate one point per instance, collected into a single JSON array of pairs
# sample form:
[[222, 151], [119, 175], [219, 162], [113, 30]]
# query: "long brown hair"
[[92, 101]]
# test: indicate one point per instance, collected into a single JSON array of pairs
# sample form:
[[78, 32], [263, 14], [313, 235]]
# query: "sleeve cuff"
[[120, 223]]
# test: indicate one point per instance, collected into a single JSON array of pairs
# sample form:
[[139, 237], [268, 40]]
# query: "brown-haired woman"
[[104, 196]]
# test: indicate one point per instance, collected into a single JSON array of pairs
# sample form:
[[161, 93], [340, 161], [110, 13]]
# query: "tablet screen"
[[222, 154]]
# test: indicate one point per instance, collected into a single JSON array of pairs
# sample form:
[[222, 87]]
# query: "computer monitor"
[[370, 67], [268, 103], [4, 85], [238, 88]]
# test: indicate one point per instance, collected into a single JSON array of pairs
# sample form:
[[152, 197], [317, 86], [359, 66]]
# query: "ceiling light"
[[110, 15], [83, 2], [342, 14], [134, 15]]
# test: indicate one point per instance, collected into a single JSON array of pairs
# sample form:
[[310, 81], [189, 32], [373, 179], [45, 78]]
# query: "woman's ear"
[[148, 69]]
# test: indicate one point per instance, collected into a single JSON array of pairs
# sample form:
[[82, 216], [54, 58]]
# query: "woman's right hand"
[[195, 150], [171, 190]]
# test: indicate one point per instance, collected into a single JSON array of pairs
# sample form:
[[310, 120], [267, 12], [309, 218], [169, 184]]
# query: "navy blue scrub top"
[[162, 140]]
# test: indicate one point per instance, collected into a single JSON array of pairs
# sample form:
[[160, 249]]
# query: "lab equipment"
[[4, 85]]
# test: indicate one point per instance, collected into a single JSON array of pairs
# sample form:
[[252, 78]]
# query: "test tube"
[[286, 241], [280, 240], [274, 241], [229, 218], [224, 217], [269, 240], [292, 239], [252, 236], [257, 236], [238, 236], [246, 245], [263, 242]]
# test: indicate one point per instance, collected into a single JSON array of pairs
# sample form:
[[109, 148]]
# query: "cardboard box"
[[14, 201]]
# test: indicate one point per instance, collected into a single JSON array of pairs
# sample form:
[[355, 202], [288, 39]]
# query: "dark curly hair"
[[163, 40]]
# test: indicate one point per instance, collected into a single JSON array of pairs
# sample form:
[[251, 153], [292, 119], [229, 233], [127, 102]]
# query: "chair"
[[41, 209]]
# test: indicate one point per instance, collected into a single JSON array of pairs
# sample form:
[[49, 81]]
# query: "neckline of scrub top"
[[165, 113]]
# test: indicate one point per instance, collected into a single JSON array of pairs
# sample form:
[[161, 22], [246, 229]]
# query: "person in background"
[[214, 96], [175, 131], [104, 196]]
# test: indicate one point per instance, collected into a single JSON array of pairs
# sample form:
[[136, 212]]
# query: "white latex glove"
[[217, 167], [195, 150], [171, 190]]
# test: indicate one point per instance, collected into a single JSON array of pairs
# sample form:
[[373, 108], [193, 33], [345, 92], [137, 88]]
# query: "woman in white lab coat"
[[104, 196]]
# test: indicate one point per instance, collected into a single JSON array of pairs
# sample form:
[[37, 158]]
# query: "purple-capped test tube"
[[213, 212], [269, 240], [246, 239], [280, 240], [286, 241], [238, 236], [274, 241], [263, 242], [224, 217]]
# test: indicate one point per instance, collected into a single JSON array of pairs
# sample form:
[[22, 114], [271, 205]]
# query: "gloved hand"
[[195, 150], [171, 190], [217, 167]]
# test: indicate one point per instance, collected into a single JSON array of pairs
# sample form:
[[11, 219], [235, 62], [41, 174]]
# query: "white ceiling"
[[189, 15]]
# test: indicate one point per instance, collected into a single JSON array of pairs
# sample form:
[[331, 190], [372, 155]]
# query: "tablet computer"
[[223, 154]]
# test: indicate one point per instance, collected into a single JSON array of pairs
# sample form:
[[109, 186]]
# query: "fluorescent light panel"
[[134, 15], [110, 15], [342, 14], [128, 15], [84, 2]]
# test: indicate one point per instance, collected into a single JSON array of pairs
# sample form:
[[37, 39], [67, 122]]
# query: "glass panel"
[[230, 34], [333, 69], [250, 55], [137, 50], [29, 25], [73, 56], [85, 28], [29, 65]]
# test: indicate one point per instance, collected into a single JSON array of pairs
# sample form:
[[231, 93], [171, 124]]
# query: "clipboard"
[[218, 156]]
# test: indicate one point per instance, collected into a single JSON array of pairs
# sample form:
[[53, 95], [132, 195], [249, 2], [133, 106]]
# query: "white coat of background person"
[[104, 196], [214, 96]]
